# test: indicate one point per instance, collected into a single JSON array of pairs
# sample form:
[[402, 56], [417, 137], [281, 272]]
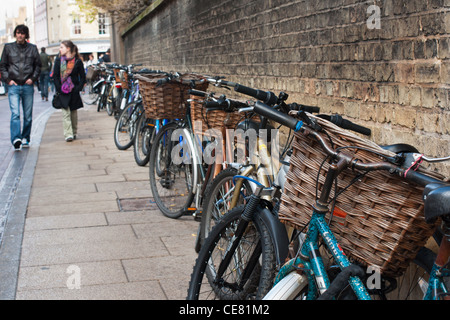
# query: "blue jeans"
[[16, 95], [43, 83]]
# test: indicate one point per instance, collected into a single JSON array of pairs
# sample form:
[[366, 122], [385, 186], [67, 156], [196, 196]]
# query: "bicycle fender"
[[98, 83], [277, 232]]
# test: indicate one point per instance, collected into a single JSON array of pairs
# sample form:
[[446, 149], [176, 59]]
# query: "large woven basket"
[[378, 220], [121, 77], [215, 119], [92, 73], [166, 101]]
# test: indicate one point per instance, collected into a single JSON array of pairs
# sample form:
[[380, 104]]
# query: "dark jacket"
[[73, 99], [46, 63], [20, 62]]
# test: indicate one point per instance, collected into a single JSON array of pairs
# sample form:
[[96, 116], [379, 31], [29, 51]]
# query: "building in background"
[[23, 17], [59, 20]]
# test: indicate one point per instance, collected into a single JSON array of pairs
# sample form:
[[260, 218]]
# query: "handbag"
[[2, 88], [56, 102]]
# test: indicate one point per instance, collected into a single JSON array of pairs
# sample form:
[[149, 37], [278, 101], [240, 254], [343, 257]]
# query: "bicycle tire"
[[415, 278], [102, 97], [109, 106], [142, 141], [261, 277], [172, 196], [124, 131], [212, 211], [89, 97]]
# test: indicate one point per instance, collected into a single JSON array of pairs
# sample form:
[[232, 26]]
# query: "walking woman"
[[69, 78]]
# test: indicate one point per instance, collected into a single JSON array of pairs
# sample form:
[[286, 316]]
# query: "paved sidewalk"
[[91, 231]]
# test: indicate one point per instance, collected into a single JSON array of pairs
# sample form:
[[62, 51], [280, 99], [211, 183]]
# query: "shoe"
[[69, 139], [25, 143], [17, 144], [46, 99]]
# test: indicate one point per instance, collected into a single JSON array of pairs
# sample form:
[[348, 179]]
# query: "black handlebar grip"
[[277, 116], [197, 93], [214, 105], [246, 90], [311, 109], [267, 97], [160, 82], [347, 124], [298, 107]]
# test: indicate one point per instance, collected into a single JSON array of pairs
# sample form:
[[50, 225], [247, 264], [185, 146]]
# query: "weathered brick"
[[405, 116], [404, 72], [320, 52], [427, 72]]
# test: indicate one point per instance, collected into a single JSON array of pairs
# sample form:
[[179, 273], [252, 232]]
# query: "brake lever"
[[304, 117]]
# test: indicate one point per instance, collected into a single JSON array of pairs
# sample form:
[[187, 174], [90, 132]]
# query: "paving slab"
[[90, 214]]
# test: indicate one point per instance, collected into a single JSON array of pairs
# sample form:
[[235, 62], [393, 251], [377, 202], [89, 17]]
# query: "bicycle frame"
[[310, 261]]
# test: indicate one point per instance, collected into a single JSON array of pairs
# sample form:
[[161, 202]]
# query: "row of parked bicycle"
[[305, 218]]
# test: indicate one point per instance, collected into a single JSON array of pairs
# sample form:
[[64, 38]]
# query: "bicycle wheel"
[[217, 200], [88, 95], [251, 270], [124, 132], [413, 284], [109, 105], [171, 181], [102, 98], [142, 142]]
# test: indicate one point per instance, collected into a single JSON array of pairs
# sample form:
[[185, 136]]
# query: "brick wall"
[[394, 79]]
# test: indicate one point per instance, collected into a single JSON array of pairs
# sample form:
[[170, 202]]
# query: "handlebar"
[[349, 161], [267, 97], [178, 78], [346, 124], [301, 107], [406, 169], [277, 116], [197, 93], [227, 105]]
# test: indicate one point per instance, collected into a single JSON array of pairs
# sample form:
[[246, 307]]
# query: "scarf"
[[66, 69]]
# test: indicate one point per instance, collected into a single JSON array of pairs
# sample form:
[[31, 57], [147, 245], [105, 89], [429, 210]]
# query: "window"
[[76, 24], [102, 23]]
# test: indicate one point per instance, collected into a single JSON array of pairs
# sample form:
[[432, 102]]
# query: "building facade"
[[59, 20]]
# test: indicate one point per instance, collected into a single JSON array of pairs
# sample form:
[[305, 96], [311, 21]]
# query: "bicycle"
[[105, 85], [90, 94], [246, 250], [221, 196], [402, 165], [128, 122], [235, 225], [178, 173]]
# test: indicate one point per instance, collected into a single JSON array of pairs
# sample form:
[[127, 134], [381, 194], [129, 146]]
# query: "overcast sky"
[[11, 9]]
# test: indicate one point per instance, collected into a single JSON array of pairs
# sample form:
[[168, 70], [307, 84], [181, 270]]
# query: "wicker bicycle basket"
[[121, 77], [215, 119], [166, 101], [92, 73], [378, 220]]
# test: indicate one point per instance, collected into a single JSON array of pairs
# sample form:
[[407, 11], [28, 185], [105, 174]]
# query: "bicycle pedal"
[[197, 214]]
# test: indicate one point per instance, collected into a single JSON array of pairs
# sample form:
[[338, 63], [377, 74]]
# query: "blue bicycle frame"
[[312, 263]]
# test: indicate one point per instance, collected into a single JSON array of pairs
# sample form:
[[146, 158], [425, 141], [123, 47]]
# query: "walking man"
[[20, 67], [45, 74]]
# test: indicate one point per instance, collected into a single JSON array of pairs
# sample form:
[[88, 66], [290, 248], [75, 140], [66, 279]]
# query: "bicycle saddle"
[[437, 201], [400, 148]]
